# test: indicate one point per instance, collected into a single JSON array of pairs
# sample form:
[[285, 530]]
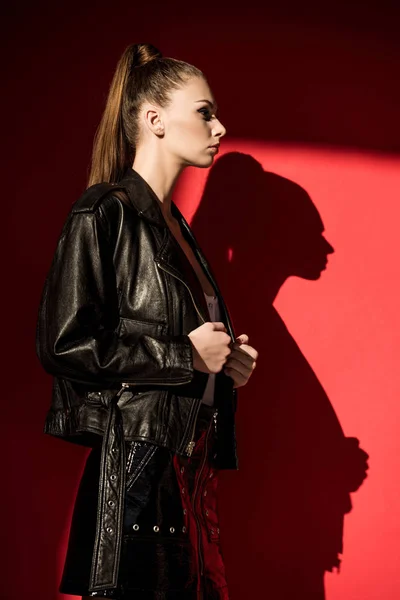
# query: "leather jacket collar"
[[144, 199]]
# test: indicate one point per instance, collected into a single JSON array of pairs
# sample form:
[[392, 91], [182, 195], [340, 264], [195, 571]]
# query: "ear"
[[153, 120]]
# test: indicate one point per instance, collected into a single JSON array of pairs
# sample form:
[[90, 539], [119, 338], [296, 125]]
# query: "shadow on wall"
[[283, 512]]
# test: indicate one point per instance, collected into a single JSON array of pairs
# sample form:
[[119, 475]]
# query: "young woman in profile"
[[134, 330]]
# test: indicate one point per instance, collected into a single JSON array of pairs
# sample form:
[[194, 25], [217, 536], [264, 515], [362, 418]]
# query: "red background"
[[312, 95]]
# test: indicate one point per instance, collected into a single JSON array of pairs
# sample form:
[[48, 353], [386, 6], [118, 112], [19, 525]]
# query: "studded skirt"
[[171, 539]]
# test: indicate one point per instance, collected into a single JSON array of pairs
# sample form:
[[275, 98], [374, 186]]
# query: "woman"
[[136, 334]]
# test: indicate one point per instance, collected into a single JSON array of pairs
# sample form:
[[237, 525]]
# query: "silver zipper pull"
[[215, 418], [189, 448], [123, 386]]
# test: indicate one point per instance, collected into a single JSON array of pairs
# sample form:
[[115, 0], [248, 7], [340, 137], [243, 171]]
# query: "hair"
[[142, 73]]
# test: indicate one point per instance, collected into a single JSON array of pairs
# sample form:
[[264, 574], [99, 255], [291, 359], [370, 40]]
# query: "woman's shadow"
[[282, 513]]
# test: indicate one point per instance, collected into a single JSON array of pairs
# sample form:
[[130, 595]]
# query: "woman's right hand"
[[211, 346]]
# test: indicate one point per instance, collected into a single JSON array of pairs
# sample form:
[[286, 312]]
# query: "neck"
[[161, 173]]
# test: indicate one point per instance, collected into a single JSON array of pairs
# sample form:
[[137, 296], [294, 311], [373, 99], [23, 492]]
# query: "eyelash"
[[207, 111]]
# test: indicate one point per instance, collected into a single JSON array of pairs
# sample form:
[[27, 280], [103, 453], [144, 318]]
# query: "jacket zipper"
[[190, 445], [185, 284], [210, 275]]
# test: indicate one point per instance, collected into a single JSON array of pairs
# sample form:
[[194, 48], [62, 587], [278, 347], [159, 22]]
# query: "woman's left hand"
[[241, 361]]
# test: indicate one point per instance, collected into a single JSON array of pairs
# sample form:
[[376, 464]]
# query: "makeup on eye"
[[213, 105], [206, 112]]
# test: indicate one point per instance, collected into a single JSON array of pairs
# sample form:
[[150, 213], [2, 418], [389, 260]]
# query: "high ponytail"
[[142, 73]]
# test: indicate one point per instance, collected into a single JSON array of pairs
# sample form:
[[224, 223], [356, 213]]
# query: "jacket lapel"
[[225, 316], [174, 260], [170, 254]]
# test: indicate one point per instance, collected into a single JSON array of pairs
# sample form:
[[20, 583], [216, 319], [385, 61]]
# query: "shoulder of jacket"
[[93, 196]]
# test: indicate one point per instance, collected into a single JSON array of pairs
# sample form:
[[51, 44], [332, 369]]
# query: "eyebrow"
[[214, 106]]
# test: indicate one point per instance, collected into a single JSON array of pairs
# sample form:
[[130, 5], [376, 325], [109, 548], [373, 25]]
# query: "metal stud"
[[184, 511], [172, 529], [207, 513], [135, 527], [111, 503], [156, 528], [110, 529], [184, 529], [182, 469]]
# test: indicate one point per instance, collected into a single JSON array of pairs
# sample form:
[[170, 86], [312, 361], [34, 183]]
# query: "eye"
[[206, 112]]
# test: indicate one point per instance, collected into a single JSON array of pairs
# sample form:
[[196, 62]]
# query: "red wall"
[[309, 171]]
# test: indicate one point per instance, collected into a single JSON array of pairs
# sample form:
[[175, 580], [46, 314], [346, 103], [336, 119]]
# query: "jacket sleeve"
[[76, 334]]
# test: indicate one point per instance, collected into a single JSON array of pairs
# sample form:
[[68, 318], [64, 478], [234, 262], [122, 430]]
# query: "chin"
[[208, 162], [202, 163]]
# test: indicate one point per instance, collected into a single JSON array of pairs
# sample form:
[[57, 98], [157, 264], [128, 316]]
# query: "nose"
[[219, 129]]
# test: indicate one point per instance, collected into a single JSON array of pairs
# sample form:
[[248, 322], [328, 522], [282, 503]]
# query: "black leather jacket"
[[118, 303]]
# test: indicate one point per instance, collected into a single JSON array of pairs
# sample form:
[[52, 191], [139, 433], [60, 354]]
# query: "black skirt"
[[171, 540]]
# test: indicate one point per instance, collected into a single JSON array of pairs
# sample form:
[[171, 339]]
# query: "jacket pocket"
[[104, 397], [139, 467], [130, 330], [139, 455]]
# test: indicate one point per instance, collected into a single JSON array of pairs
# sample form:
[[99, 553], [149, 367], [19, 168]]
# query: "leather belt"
[[111, 497]]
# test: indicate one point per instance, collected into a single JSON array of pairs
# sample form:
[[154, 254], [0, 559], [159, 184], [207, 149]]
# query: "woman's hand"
[[211, 346], [241, 361]]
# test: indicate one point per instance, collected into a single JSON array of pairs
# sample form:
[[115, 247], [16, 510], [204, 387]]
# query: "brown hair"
[[142, 73]]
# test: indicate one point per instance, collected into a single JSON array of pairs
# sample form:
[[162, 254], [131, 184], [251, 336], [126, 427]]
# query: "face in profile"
[[191, 126]]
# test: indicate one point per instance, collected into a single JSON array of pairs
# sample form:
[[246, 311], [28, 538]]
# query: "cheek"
[[188, 137], [190, 129]]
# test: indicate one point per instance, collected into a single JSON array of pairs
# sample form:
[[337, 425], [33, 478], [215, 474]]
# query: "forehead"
[[191, 92]]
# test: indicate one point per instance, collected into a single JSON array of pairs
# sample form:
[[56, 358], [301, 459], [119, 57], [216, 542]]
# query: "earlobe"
[[157, 126], [152, 119]]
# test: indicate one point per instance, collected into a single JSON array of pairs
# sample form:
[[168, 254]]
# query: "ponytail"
[[142, 73]]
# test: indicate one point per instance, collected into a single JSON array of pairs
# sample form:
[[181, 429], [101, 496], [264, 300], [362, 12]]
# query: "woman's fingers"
[[244, 353], [243, 339]]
